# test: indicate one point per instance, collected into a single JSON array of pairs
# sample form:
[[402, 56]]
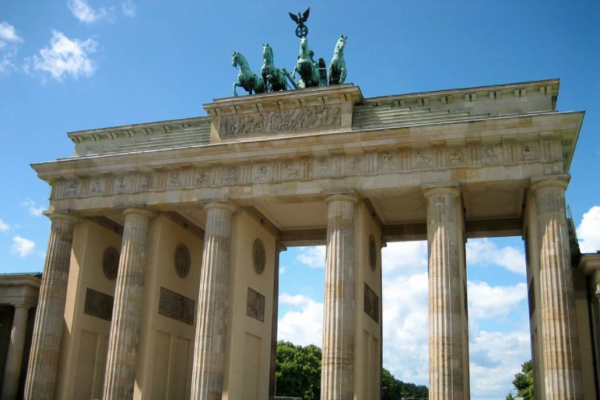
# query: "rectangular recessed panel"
[[371, 301], [86, 363], [160, 375], [181, 364], [255, 305], [251, 366], [98, 304], [176, 306]]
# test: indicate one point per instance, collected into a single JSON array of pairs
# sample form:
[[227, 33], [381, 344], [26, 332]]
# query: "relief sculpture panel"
[[176, 306], [326, 116]]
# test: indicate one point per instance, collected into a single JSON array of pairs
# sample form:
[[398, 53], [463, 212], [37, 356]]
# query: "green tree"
[[298, 371], [523, 382], [394, 389]]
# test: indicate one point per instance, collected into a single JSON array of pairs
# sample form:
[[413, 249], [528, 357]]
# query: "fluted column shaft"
[[14, 359], [446, 369], [337, 373], [272, 378], [127, 309], [211, 325], [562, 368], [48, 328]]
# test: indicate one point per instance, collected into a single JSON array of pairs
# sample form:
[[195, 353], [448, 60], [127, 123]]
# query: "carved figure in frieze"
[[147, 182], [355, 164], [323, 164], [323, 116], [202, 177], [456, 156], [174, 179], [72, 188], [529, 152], [290, 171], [120, 184], [230, 174], [261, 173], [422, 160], [388, 162], [491, 154], [96, 187]]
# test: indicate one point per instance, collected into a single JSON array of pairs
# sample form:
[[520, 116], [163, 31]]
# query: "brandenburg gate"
[[161, 275]]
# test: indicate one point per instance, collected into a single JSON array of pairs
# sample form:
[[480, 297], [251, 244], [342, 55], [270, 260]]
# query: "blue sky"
[[75, 65]]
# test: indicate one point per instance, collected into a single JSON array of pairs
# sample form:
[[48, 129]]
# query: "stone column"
[[337, 374], [211, 321], [562, 367], [12, 371], [446, 369], [44, 356], [127, 309], [272, 381]]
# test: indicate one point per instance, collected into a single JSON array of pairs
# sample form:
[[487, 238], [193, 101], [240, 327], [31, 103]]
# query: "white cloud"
[[128, 8], [302, 327], [65, 57], [21, 246], [4, 227], [313, 257], [485, 252], [494, 302], [8, 34], [33, 208], [495, 359], [9, 41], [86, 14], [588, 232]]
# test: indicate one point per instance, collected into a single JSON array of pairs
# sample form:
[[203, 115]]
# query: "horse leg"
[[343, 75], [235, 84]]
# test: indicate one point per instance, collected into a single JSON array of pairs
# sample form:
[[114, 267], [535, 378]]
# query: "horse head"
[[267, 53], [303, 54], [235, 59], [341, 43]]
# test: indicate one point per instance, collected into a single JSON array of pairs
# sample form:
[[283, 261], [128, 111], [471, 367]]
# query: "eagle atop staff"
[[300, 19]]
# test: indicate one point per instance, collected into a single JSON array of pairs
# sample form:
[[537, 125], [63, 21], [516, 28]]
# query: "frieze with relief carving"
[[323, 166], [307, 118]]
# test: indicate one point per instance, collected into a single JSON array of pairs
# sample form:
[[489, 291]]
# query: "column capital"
[[224, 206], [141, 211], [590, 263], [21, 305], [342, 197], [561, 181], [58, 216], [432, 190], [279, 247]]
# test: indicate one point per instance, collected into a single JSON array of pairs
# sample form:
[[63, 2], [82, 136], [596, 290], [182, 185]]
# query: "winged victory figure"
[[300, 19]]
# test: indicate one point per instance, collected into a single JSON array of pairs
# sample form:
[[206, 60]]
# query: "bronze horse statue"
[[337, 66], [246, 78], [306, 67], [273, 77]]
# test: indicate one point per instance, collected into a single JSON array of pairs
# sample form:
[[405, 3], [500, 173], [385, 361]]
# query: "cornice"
[[516, 129]]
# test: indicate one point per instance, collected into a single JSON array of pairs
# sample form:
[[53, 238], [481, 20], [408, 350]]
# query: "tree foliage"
[[523, 382], [298, 374], [298, 371], [394, 389]]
